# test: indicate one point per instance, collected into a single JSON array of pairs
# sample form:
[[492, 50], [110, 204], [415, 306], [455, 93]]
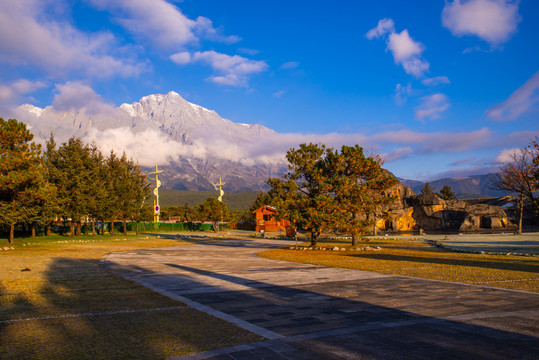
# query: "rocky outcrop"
[[411, 212]]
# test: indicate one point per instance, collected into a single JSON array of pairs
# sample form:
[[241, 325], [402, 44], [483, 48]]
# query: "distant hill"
[[475, 186], [234, 201]]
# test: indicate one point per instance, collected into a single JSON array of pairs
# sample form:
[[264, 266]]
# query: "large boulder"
[[430, 212]]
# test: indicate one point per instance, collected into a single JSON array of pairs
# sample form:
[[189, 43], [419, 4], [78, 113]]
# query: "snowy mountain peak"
[[31, 109], [197, 143]]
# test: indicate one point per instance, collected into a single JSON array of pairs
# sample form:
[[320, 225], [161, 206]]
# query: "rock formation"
[[429, 212]]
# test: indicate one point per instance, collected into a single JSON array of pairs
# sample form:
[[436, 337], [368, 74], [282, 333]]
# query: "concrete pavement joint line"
[[211, 311], [310, 336], [94, 314]]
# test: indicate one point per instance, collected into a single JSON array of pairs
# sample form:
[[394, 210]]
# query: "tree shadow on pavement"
[[315, 323]]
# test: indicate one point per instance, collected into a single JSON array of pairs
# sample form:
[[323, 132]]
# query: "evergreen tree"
[[359, 185], [262, 198], [427, 189], [133, 190], [303, 196], [22, 176], [215, 211], [71, 172], [447, 193]]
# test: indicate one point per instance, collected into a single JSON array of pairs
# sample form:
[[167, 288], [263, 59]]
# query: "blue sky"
[[440, 88]]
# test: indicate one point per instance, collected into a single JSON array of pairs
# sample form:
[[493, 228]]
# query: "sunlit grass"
[[414, 258], [62, 279]]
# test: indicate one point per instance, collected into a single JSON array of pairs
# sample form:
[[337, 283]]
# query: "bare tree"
[[518, 177]]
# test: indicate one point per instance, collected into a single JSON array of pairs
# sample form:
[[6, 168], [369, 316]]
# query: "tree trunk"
[[355, 239], [313, 237], [78, 227], [111, 230], [215, 225], [125, 227], [33, 231], [72, 228], [48, 230], [520, 213], [11, 233], [137, 228]]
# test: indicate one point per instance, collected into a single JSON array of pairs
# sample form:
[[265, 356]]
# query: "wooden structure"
[[266, 220]]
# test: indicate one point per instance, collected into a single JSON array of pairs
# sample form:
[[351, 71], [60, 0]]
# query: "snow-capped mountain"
[[193, 145]]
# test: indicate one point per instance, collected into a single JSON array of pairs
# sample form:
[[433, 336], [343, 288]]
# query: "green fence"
[[185, 226], [118, 228]]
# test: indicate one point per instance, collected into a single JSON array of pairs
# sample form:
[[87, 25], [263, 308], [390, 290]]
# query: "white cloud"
[[181, 58], [434, 81], [523, 100], [402, 92], [236, 69], [494, 21], [204, 28], [76, 96], [407, 52], [279, 93], [12, 92], [112, 129], [290, 65], [432, 107], [384, 27], [507, 155], [162, 23], [30, 36], [447, 141], [397, 154], [403, 47], [248, 51]]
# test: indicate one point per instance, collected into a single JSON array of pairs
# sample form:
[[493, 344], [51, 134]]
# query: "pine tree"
[[359, 184], [447, 193], [71, 172], [22, 176], [303, 195], [215, 211], [427, 189]]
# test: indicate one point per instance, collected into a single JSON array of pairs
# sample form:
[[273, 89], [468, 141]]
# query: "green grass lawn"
[[413, 257], [56, 302]]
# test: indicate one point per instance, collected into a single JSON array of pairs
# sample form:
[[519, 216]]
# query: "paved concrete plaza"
[[312, 312]]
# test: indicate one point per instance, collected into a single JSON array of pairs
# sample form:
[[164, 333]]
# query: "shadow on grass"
[[87, 313], [509, 265], [317, 325]]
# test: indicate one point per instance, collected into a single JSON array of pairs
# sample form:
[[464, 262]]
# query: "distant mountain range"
[[464, 187], [193, 145]]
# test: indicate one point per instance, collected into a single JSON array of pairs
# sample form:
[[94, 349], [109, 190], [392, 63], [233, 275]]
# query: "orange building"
[[265, 220]]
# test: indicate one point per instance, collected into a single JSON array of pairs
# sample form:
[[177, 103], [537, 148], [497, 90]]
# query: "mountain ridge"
[[462, 186], [194, 146]]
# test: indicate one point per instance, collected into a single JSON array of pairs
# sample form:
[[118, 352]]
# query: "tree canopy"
[[427, 189], [519, 177], [447, 193], [72, 181], [215, 211], [325, 189], [23, 184]]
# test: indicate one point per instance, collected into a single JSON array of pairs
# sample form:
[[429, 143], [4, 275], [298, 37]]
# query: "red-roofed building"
[[266, 219]]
